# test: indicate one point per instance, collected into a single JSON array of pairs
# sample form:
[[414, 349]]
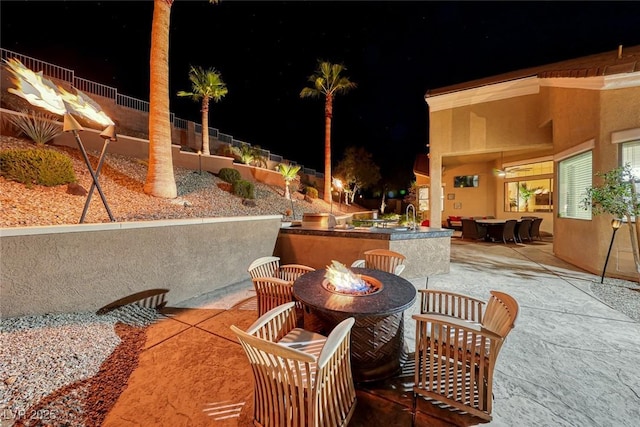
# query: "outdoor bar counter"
[[427, 249]]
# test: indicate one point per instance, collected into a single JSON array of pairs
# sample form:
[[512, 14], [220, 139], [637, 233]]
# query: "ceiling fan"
[[511, 169]]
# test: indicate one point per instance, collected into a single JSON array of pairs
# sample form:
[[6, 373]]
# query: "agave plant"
[[39, 127]]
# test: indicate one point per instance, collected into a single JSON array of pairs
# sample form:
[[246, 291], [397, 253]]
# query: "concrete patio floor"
[[570, 361]]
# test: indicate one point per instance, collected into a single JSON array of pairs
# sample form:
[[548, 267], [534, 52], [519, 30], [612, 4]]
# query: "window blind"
[[575, 176]]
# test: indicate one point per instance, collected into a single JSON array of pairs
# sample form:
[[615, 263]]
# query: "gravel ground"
[[121, 179], [69, 369]]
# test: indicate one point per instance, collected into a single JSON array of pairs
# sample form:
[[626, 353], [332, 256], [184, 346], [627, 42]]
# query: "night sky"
[[265, 50]]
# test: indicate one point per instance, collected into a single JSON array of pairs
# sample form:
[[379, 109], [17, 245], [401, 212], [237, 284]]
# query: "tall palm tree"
[[160, 180], [327, 81], [206, 86]]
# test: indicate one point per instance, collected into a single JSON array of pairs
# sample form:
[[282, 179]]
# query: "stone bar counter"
[[427, 249]]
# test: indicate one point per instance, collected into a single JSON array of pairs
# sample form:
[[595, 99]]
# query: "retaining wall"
[[85, 267]]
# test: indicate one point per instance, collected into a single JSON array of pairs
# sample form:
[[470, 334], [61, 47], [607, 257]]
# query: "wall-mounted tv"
[[465, 181]]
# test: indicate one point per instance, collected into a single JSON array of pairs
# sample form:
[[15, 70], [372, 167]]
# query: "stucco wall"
[[582, 115], [425, 256], [85, 267]]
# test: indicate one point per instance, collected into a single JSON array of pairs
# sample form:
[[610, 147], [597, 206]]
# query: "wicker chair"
[[471, 229], [266, 266], [457, 347], [301, 378], [534, 233], [523, 230], [509, 231], [382, 259]]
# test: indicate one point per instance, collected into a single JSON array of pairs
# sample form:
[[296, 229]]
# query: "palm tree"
[[289, 173], [327, 81], [206, 86], [160, 180]]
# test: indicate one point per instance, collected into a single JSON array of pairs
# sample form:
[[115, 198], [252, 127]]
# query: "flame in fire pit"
[[344, 281]]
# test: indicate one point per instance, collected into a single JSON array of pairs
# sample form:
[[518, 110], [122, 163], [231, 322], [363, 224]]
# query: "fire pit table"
[[377, 337]]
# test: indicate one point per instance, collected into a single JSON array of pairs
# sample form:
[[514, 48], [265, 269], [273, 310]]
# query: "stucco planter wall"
[[85, 267]]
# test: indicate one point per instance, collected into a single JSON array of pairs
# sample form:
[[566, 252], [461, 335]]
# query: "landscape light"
[[615, 225]]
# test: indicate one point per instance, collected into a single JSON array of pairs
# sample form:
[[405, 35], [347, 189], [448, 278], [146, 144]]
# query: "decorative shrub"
[[39, 166], [244, 189], [39, 127], [311, 192], [227, 150], [229, 174]]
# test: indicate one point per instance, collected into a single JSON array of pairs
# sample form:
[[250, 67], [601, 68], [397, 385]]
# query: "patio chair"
[[455, 357], [266, 266], [534, 233], [382, 259], [471, 229], [301, 378], [509, 231], [272, 292], [463, 307], [291, 272], [523, 229]]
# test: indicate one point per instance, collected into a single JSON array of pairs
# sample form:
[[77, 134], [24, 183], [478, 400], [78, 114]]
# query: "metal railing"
[[225, 138], [36, 65], [179, 123], [95, 88], [213, 132], [134, 103], [84, 85]]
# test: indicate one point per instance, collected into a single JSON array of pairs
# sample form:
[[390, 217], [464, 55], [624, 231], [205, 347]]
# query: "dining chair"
[[509, 231], [523, 229], [455, 358], [471, 230], [301, 378], [266, 266], [535, 229]]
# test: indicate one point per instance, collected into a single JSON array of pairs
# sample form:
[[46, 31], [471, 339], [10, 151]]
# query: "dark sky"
[[394, 51]]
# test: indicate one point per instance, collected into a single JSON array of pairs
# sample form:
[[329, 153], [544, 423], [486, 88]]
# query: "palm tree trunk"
[[328, 113], [287, 192], [160, 180], [205, 125]]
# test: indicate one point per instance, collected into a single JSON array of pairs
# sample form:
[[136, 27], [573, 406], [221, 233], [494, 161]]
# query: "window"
[[528, 187], [631, 154], [533, 195], [574, 177]]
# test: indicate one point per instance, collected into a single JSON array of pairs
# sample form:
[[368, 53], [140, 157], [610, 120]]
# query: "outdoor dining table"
[[495, 227], [377, 337]]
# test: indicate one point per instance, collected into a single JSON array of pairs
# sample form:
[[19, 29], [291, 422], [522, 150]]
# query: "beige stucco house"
[[529, 142]]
